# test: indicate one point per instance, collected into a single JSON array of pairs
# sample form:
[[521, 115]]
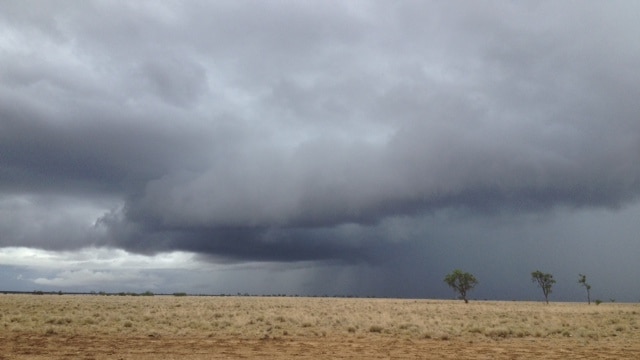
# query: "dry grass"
[[264, 316], [260, 318]]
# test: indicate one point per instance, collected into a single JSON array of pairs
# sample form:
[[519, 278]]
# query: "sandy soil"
[[31, 346]]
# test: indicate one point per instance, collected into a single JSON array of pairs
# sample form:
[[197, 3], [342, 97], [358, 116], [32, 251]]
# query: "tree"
[[545, 282], [461, 282], [582, 280]]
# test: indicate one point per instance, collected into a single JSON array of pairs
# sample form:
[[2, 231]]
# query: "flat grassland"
[[173, 327]]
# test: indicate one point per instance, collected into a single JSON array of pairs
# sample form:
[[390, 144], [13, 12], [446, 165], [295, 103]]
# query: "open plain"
[[199, 327]]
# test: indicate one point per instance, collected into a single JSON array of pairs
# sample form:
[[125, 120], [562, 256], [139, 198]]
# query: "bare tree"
[[582, 280]]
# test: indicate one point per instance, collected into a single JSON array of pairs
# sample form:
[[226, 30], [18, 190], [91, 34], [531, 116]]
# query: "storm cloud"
[[325, 132]]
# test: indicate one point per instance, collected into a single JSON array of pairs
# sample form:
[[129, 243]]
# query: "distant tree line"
[[460, 281]]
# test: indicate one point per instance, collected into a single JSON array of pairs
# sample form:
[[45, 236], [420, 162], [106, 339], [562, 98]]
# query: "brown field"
[[168, 327]]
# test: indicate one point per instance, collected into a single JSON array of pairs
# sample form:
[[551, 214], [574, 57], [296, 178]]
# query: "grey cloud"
[[237, 243], [50, 221], [176, 81], [100, 153], [258, 133]]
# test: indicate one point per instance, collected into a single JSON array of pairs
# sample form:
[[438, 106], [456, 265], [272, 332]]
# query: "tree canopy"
[[461, 282], [544, 281]]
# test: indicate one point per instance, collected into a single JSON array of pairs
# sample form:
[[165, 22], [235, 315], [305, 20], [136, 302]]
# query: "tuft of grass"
[[59, 321], [499, 332], [475, 330], [376, 329]]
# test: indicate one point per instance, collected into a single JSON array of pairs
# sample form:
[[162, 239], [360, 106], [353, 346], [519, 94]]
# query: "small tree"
[[461, 282], [545, 282], [582, 280]]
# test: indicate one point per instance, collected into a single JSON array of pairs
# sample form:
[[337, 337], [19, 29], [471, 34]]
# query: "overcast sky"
[[320, 147]]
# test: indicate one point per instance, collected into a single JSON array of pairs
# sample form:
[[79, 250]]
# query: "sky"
[[361, 148]]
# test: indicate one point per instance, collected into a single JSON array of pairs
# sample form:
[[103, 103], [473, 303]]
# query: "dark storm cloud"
[[91, 151], [260, 132], [259, 243]]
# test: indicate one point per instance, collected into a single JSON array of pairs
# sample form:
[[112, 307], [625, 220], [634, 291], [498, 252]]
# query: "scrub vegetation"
[[330, 320]]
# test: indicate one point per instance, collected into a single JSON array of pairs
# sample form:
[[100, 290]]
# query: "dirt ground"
[[36, 346]]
